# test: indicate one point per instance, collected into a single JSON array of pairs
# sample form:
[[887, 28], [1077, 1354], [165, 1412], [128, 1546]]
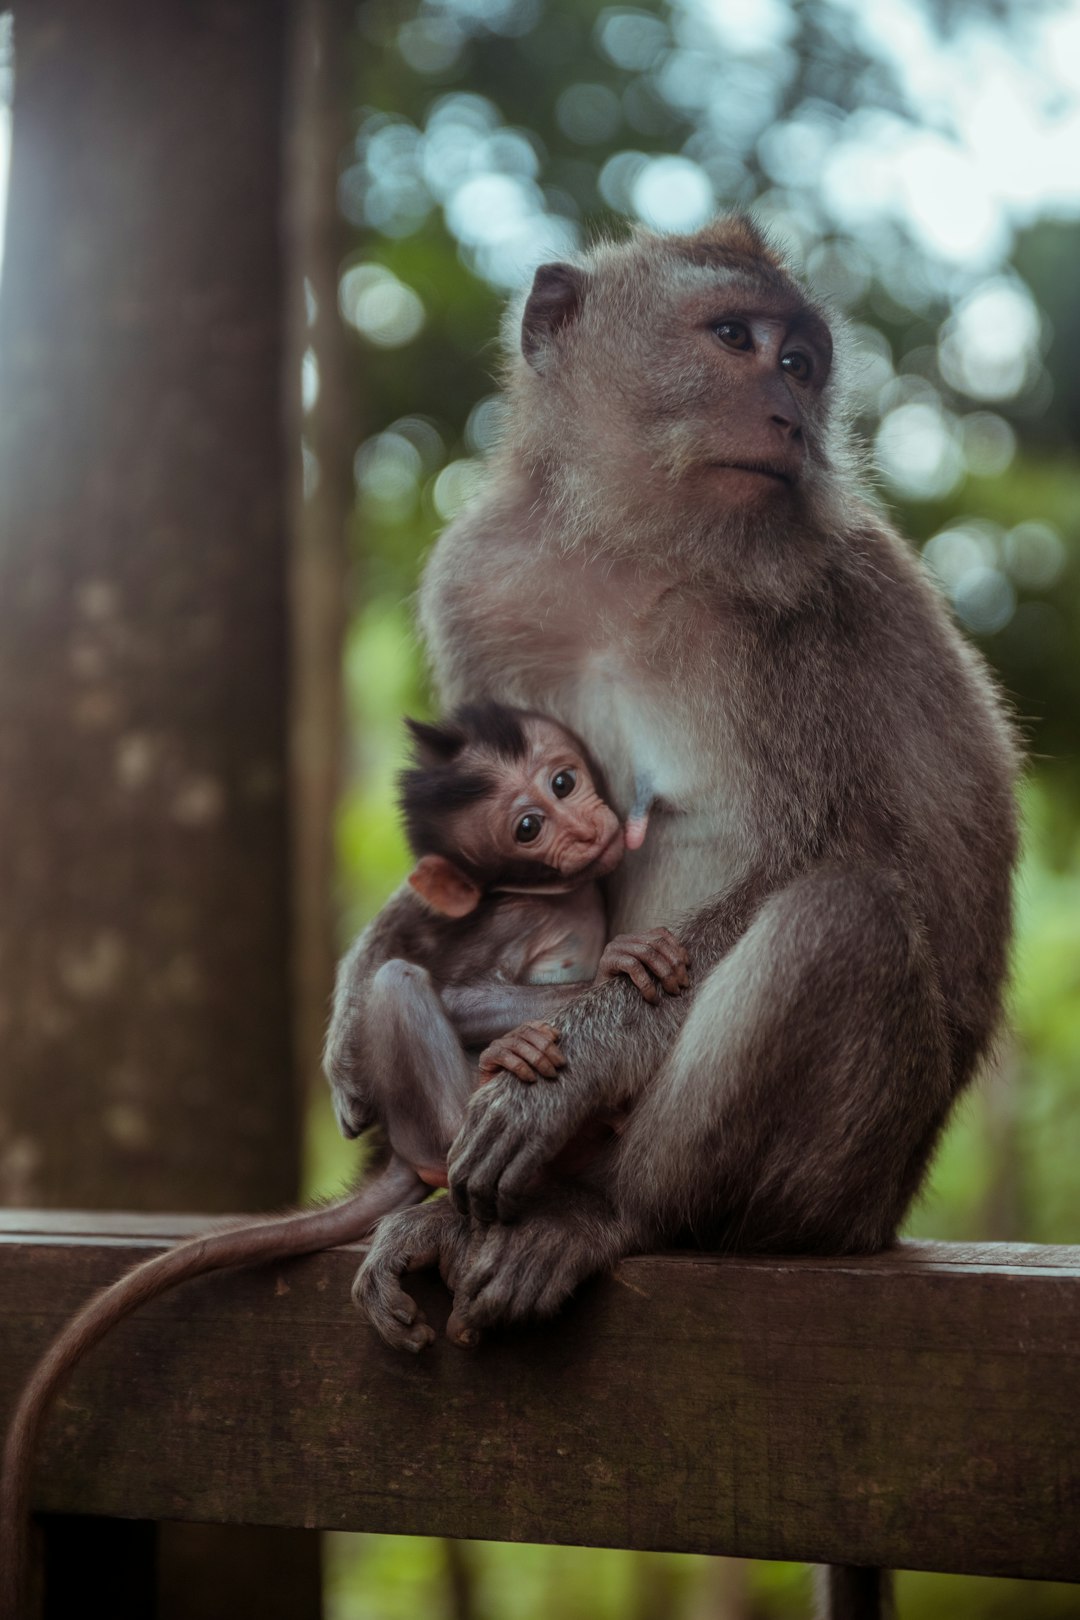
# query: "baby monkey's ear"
[[446, 890]]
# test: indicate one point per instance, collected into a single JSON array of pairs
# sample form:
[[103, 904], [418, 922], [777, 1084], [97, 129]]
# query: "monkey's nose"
[[782, 412], [789, 426]]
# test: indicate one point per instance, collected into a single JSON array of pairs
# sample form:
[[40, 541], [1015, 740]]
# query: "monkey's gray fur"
[[675, 557]]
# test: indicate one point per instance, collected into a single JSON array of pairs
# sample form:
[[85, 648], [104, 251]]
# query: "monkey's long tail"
[[273, 1238]]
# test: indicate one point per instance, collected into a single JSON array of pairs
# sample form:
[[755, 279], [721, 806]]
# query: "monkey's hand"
[[510, 1133], [646, 959], [529, 1051]]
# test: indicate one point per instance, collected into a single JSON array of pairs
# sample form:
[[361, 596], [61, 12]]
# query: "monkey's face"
[[680, 384], [721, 386], [738, 385], [544, 824]]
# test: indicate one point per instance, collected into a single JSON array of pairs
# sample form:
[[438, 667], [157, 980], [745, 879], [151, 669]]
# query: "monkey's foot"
[[530, 1269], [427, 1235]]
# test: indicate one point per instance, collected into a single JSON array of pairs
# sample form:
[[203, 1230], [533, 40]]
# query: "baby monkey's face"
[[545, 810]]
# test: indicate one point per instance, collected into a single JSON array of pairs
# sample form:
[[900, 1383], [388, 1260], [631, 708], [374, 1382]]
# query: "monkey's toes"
[[393, 1313], [461, 1332], [506, 1285]]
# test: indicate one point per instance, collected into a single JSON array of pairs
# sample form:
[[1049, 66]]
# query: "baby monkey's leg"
[[423, 1074]]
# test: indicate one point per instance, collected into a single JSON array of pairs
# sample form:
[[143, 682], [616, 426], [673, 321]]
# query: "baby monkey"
[[502, 915], [501, 922]]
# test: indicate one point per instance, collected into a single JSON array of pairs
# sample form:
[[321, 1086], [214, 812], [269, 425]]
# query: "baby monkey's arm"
[[482, 1011], [651, 961]]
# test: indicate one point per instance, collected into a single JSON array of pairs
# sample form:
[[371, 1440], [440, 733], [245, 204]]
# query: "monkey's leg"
[[796, 1110], [807, 1086], [423, 1075]]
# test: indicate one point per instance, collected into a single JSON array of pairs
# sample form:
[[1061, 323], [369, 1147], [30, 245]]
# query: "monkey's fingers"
[[501, 1055], [616, 962], [475, 1195], [501, 1122], [474, 1180], [657, 950], [540, 1066], [674, 953], [661, 940], [515, 1181], [658, 960], [496, 1191], [536, 1050], [546, 1039]]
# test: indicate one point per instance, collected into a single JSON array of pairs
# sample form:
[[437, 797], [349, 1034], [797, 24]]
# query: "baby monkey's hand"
[[642, 956], [528, 1052]]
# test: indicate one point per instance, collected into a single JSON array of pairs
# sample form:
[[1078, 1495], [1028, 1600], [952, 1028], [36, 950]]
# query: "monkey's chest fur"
[[637, 667], [558, 939]]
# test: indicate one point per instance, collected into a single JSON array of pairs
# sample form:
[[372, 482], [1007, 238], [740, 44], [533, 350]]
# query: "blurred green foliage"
[[401, 1577], [492, 134]]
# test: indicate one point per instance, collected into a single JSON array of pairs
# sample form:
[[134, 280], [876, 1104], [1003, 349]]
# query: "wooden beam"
[[910, 1410], [144, 867], [145, 938]]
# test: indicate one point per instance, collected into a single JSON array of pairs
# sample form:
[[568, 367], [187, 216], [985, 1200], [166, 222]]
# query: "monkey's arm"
[[482, 1012], [613, 1040]]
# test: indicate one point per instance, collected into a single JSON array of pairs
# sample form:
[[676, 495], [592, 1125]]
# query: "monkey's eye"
[[528, 828], [734, 334], [563, 784], [798, 365]]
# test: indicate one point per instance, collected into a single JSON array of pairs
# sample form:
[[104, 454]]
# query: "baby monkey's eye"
[[563, 784], [528, 828]]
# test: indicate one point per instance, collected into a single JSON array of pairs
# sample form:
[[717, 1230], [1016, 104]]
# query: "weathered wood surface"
[[914, 1410]]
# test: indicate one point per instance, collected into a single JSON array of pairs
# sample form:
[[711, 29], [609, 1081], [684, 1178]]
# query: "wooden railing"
[[916, 1409]]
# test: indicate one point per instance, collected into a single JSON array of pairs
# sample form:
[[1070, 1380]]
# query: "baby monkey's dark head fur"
[[500, 798]]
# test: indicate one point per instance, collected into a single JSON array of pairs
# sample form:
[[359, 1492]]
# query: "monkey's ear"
[[558, 292], [435, 745], [446, 890]]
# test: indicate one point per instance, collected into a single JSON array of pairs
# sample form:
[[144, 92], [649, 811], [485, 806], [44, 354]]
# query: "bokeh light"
[[672, 194], [379, 306]]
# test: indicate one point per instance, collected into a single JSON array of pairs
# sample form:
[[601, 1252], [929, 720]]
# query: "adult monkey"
[[675, 557]]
